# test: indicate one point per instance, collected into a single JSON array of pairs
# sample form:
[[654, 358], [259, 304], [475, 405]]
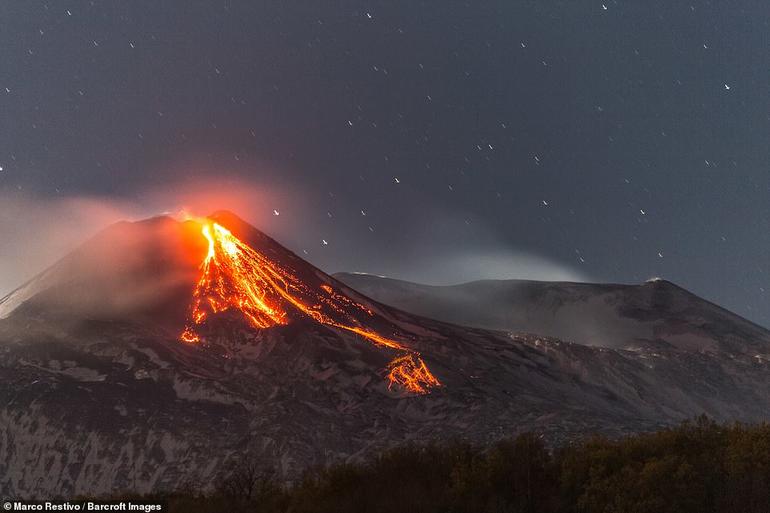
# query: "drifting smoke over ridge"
[[36, 231]]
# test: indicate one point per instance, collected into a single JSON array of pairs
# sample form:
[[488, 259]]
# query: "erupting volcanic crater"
[[194, 277]]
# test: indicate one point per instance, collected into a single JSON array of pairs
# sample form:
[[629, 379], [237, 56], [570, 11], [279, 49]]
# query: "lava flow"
[[234, 276]]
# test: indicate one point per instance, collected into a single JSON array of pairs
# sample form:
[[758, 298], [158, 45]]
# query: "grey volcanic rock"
[[98, 400]]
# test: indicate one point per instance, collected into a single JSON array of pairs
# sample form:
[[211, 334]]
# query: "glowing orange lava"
[[234, 276], [410, 372]]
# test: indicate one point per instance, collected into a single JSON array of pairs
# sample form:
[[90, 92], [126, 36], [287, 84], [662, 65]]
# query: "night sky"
[[434, 141]]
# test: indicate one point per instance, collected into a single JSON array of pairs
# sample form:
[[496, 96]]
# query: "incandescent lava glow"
[[236, 277], [410, 372]]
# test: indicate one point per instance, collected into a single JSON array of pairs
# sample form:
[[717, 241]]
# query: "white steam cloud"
[[490, 264]]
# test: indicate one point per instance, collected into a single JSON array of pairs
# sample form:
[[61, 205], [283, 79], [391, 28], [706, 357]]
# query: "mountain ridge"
[[606, 315], [95, 399]]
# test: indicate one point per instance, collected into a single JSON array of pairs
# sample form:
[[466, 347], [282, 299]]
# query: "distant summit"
[[654, 313]]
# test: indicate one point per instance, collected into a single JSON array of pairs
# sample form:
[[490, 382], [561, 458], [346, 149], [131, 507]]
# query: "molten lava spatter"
[[234, 276]]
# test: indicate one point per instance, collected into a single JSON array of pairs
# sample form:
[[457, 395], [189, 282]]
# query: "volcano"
[[271, 290], [144, 271], [160, 352]]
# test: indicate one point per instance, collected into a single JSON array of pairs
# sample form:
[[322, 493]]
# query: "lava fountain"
[[235, 276]]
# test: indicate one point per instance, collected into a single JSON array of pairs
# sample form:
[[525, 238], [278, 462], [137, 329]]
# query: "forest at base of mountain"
[[698, 466]]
